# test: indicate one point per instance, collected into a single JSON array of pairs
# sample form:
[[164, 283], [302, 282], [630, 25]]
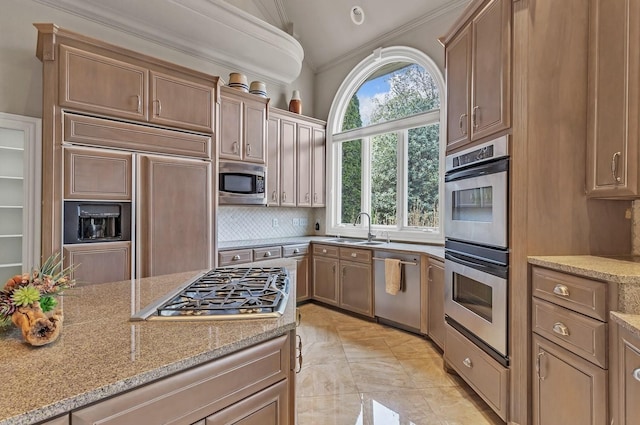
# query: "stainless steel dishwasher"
[[402, 309]]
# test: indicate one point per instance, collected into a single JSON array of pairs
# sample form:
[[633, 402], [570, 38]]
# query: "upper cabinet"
[[243, 126], [614, 94], [478, 72], [87, 80]]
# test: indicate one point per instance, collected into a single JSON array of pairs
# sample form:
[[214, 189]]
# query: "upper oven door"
[[476, 204]]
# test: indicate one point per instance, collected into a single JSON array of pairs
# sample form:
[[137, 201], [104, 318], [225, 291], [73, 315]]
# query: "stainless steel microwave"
[[241, 183]]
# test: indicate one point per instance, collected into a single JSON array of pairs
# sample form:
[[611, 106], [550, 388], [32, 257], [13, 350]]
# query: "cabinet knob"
[[296, 251], [236, 258], [467, 362], [561, 329], [636, 374], [267, 254], [561, 290], [324, 251], [354, 255]]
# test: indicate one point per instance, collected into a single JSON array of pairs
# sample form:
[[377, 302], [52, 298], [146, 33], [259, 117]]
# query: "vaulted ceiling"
[[326, 31]]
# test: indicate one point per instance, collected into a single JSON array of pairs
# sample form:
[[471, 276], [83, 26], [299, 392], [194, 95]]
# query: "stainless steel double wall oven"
[[476, 246]]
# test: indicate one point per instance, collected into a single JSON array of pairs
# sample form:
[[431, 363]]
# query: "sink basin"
[[344, 240], [370, 243]]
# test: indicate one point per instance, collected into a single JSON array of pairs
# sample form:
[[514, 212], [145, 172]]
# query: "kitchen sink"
[[351, 241], [370, 243]]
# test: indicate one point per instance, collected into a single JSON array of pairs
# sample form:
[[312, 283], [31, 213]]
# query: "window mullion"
[[366, 175]]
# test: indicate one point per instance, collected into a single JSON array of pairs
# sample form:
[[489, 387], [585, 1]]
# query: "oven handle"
[[500, 271], [493, 167]]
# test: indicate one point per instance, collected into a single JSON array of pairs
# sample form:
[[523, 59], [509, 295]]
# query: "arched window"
[[384, 148]]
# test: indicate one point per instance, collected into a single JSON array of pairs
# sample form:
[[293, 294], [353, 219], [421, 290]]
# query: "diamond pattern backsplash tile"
[[635, 227], [237, 223]]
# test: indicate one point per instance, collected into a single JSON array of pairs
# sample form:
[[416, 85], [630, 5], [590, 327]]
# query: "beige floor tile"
[[460, 406], [398, 407], [325, 379], [322, 352], [428, 372], [340, 409], [368, 349], [380, 376], [410, 346], [318, 334]]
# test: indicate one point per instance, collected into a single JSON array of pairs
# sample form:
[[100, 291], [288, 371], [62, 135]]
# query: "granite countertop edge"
[[601, 268], [630, 322]]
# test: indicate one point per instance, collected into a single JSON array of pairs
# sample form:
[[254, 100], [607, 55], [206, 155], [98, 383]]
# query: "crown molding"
[[212, 30], [379, 41]]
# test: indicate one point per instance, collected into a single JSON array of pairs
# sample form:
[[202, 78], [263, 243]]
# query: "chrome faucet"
[[369, 234]]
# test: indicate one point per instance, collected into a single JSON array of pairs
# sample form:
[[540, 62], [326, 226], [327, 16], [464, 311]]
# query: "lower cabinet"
[[626, 378], [62, 420], [325, 274], [435, 310], [251, 386], [99, 262], [568, 390], [299, 253]]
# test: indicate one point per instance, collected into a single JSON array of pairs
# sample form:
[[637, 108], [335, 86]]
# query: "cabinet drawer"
[[486, 376], [325, 250], [196, 393], [294, 250], [99, 262], [267, 253], [238, 256], [575, 332], [585, 296], [351, 254]]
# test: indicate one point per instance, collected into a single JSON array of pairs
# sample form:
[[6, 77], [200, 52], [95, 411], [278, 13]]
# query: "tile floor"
[[357, 372]]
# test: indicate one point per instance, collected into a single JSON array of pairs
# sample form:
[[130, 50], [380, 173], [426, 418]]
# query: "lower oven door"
[[476, 298]]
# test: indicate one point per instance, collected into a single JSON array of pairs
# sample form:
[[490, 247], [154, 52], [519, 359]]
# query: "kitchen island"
[[101, 354]]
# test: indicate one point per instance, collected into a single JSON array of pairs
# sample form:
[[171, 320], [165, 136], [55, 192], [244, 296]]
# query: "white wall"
[[424, 38], [21, 71]]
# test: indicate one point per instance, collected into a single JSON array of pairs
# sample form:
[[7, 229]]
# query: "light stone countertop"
[[436, 251], [621, 270], [100, 352]]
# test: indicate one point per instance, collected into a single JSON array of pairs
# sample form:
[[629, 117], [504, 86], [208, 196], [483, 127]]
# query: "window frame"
[[379, 58]]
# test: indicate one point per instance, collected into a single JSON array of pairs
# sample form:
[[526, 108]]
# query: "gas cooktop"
[[225, 293]]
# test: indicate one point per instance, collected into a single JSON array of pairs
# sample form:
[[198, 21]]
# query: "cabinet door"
[[302, 279], [230, 128], [287, 163], [273, 162], [325, 280], [255, 116], [614, 95], [458, 71], [629, 377], [63, 420], [181, 103], [436, 302], [490, 70], [93, 174], [356, 287], [99, 262], [268, 407], [304, 154], [174, 216], [94, 83], [318, 180], [567, 389]]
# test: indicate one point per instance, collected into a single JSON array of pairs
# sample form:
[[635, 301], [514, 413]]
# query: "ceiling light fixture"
[[357, 15]]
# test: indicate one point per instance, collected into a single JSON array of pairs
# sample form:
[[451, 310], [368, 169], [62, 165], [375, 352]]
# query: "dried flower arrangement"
[[26, 298]]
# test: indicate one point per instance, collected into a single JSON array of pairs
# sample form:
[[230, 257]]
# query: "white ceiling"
[[324, 27]]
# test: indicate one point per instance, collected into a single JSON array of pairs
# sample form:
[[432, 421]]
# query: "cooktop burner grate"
[[238, 291]]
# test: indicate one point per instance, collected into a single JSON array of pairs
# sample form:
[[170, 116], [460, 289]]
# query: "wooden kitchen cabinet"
[[356, 282], [295, 160], [613, 150], [299, 253], [243, 126], [174, 215], [99, 262], [435, 312], [88, 79], [62, 420], [97, 174], [626, 377], [567, 389], [478, 72], [325, 274]]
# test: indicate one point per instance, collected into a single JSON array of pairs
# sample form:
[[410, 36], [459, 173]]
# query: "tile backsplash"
[[635, 227], [237, 223]]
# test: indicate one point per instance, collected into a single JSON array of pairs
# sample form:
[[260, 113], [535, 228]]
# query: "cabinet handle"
[[561, 290], [234, 147], [236, 258], [333, 268], [315, 197], [307, 197], [354, 255], [636, 374], [296, 251], [298, 317], [460, 122], [614, 167], [344, 271], [248, 149], [538, 365], [467, 363], [560, 329], [267, 254], [299, 354], [139, 109], [159, 108], [474, 116], [284, 196], [274, 196], [324, 251]]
